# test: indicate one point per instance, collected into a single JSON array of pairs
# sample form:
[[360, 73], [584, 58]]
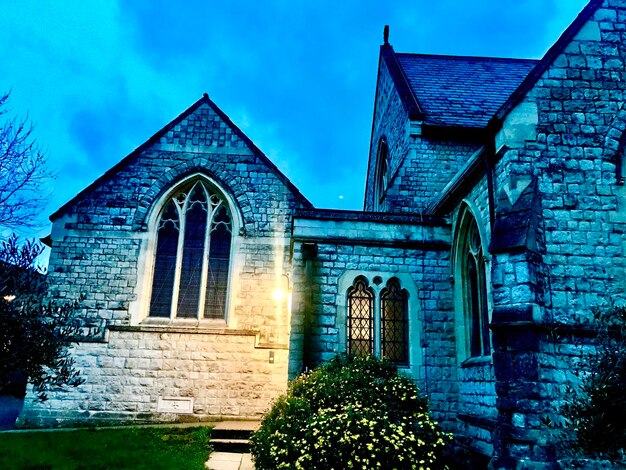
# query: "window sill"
[[477, 361], [179, 325]]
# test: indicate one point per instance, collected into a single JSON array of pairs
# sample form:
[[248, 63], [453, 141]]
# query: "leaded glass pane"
[[360, 319], [165, 262], [484, 310], [219, 262], [394, 323], [475, 310], [193, 254], [475, 292]]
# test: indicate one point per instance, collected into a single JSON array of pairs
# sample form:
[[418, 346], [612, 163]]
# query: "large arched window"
[[378, 320], [470, 278], [192, 259]]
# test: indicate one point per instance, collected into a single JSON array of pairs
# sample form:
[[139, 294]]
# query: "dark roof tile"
[[462, 91]]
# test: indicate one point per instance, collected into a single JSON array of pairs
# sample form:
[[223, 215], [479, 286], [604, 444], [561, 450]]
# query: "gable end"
[[166, 133]]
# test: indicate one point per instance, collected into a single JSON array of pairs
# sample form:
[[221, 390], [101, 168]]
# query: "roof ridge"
[[446, 56]]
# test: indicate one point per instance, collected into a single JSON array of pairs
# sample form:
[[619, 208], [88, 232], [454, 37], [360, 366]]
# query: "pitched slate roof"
[[462, 91]]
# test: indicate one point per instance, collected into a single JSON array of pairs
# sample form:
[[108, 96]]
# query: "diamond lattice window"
[[394, 323], [377, 323], [360, 318]]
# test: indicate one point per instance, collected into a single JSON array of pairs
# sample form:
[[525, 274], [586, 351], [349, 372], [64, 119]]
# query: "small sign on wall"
[[179, 405]]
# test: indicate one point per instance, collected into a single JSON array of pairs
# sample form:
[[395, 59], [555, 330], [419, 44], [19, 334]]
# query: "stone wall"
[[390, 122], [146, 376], [477, 413], [417, 254], [429, 165], [547, 293], [577, 100], [101, 245]]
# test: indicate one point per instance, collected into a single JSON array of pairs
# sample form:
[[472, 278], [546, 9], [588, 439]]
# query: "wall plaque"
[[178, 405]]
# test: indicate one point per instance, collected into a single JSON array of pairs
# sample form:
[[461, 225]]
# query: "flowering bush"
[[352, 412]]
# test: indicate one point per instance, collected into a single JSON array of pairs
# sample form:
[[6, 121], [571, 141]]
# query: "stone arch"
[[377, 281], [172, 176], [471, 285], [615, 144], [465, 207], [192, 177]]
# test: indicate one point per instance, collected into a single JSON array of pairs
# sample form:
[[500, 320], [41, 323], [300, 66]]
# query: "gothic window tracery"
[[471, 275], [192, 259]]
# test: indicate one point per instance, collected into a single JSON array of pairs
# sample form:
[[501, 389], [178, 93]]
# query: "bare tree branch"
[[23, 173]]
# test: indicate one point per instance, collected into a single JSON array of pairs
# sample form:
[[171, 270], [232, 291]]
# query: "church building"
[[493, 223]]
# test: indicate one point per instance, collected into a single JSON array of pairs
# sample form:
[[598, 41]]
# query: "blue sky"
[[98, 78]]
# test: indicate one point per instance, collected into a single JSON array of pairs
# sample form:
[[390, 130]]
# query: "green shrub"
[[598, 411], [352, 412], [35, 333]]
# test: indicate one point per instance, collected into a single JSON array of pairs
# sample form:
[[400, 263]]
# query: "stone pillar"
[[520, 440]]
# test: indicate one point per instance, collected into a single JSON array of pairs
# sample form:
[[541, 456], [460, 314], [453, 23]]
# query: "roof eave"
[[407, 95], [455, 131]]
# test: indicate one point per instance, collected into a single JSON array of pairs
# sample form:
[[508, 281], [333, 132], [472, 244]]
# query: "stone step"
[[230, 445], [232, 436]]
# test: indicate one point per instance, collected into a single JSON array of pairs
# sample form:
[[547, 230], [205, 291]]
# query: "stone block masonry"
[[376, 246], [223, 374], [543, 181]]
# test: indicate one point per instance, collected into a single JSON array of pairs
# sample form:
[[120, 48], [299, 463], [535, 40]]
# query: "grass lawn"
[[147, 448]]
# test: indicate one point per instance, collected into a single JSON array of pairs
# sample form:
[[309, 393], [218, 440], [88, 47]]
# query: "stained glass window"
[[165, 262], [475, 290], [192, 260]]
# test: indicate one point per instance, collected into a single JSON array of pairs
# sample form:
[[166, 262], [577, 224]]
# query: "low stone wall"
[[166, 374]]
